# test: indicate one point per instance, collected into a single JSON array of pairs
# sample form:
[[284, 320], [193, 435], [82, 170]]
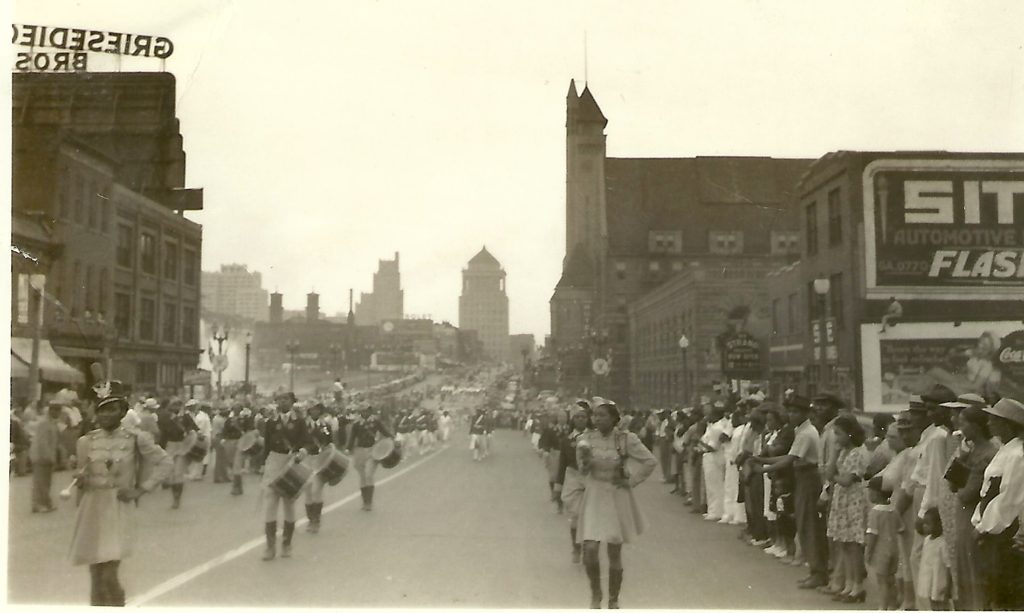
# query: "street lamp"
[[821, 288], [684, 344], [220, 336], [292, 346], [248, 348]]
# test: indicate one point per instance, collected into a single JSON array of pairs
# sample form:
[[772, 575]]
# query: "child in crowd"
[[933, 578], [880, 544]]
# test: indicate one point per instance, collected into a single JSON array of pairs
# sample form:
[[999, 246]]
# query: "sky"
[[330, 137]]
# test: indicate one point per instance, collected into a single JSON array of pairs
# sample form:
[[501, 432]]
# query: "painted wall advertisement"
[[944, 228], [982, 357]]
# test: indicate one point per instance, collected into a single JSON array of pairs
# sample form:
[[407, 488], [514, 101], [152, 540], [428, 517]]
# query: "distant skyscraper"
[[386, 301], [235, 291], [483, 305]]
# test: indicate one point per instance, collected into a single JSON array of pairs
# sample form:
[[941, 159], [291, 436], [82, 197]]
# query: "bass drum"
[[387, 452]]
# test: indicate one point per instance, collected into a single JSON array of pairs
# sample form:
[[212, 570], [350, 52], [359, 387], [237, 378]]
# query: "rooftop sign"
[[61, 49]]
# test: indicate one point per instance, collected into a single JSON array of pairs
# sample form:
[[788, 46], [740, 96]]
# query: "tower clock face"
[[388, 326]]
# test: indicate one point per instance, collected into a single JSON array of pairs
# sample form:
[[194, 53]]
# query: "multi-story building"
[[934, 240], [788, 329], [100, 155], [386, 301], [721, 307], [631, 224], [234, 291], [483, 305]]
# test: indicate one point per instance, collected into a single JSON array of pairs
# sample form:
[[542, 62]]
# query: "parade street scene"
[[471, 304]]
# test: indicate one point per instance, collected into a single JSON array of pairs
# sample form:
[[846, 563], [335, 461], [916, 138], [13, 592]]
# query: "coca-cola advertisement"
[[986, 358]]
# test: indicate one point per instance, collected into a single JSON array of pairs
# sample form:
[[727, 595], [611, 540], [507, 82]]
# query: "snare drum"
[[249, 444], [393, 458], [197, 452], [382, 449], [290, 483], [332, 466]]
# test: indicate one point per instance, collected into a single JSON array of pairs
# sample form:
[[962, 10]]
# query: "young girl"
[[881, 548], [933, 578]]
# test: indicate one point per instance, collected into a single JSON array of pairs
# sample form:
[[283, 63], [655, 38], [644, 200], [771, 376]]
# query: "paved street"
[[445, 531]]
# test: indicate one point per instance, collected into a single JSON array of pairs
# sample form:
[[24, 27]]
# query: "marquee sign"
[[944, 228], [741, 356], [60, 49]]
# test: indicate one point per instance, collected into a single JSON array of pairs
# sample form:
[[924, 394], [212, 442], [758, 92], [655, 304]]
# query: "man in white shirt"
[[197, 470], [997, 517], [713, 461]]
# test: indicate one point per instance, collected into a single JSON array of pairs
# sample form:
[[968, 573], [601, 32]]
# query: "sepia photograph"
[[471, 304]]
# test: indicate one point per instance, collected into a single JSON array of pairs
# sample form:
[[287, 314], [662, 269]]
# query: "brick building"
[[100, 156], [387, 300], [236, 292], [940, 234], [631, 224]]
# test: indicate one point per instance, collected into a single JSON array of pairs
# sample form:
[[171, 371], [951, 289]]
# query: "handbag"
[[957, 474]]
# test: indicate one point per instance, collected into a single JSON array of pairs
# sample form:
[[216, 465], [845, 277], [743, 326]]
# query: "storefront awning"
[[51, 366]]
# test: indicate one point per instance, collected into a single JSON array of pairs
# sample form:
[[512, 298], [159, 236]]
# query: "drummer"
[[231, 433], [177, 435], [407, 432], [321, 441], [478, 434], [365, 429], [286, 438]]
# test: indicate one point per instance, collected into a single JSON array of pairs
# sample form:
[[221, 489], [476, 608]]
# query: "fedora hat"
[[1009, 409]]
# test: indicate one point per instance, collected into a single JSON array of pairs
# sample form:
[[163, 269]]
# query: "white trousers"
[[714, 482], [733, 510]]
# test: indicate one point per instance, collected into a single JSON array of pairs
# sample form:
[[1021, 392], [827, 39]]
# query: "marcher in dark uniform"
[[321, 441], [175, 424], [286, 439], [117, 467], [230, 434], [478, 434], [364, 432], [551, 441]]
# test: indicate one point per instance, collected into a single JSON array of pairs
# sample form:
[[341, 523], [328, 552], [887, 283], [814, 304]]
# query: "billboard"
[[945, 229], [981, 357]]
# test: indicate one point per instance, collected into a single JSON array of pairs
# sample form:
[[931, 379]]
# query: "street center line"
[[205, 567]]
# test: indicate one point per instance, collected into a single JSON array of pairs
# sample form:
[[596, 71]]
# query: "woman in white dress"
[[608, 511]]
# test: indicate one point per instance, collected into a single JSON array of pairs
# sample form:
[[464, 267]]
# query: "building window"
[[813, 304], [89, 288], [775, 316], [835, 296], [76, 289], [147, 249], [171, 261], [794, 316], [835, 219], [677, 266], [105, 209], [811, 213], [169, 375], [188, 326], [123, 315], [665, 242], [170, 321], [147, 319], [785, 242], [145, 373], [189, 267], [94, 208], [104, 288], [124, 246], [79, 200], [725, 242], [654, 266]]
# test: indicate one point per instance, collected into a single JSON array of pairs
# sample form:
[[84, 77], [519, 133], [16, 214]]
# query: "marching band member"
[[569, 474], [608, 511], [361, 440], [407, 432], [478, 434], [201, 417], [230, 433], [112, 460], [431, 422], [175, 424], [321, 441], [286, 439], [445, 425]]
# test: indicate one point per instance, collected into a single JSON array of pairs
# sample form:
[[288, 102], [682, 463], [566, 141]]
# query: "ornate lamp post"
[[248, 349], [220, 362], [821, 288], [684, 344], [293, 347]]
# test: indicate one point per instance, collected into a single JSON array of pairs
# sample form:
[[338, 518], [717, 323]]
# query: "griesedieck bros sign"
[[61, 49]]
